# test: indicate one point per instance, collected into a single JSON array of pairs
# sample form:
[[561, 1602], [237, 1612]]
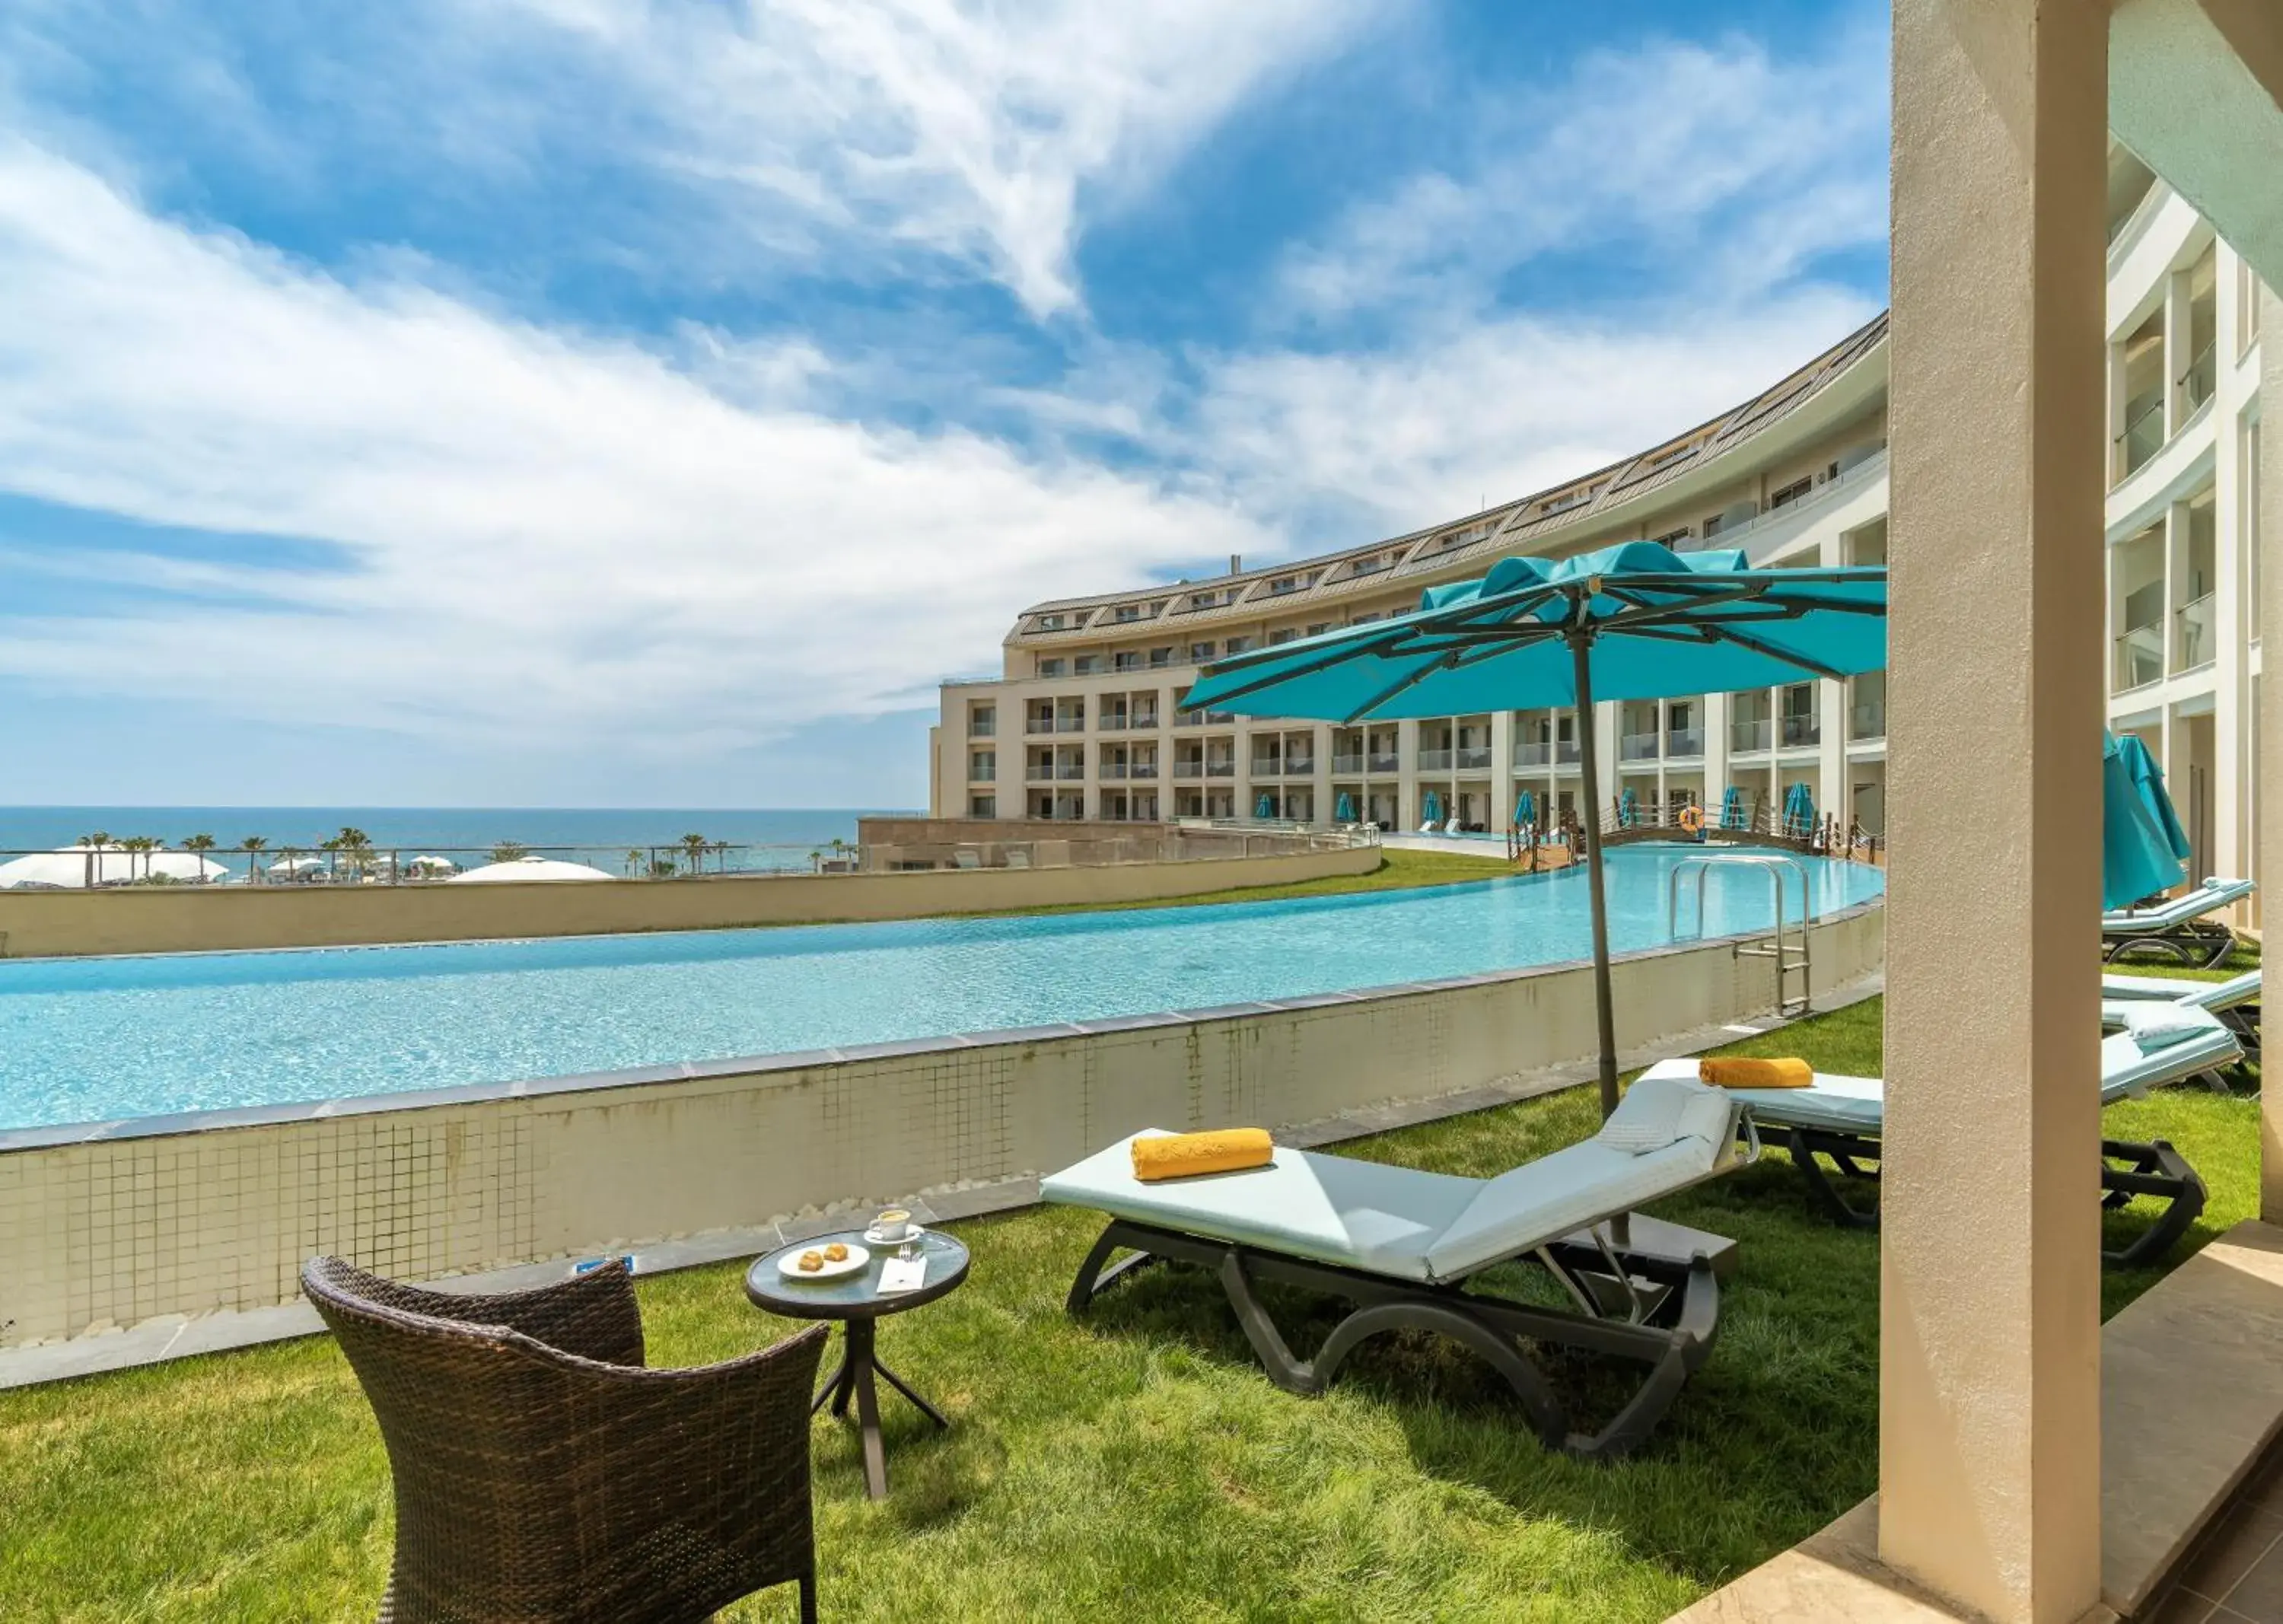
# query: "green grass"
[[1398, 870], [1134, 1465]]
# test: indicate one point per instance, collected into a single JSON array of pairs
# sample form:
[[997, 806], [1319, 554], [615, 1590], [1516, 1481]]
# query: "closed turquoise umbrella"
[[1799, 812], [1343, 811], [1733, 815], [2143, 849], [1628, 809], [1525, 809], [1633, 621], [1265, 807], [1434, 808]]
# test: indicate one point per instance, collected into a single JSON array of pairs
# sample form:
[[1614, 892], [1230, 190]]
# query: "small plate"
[[789, 1265], [874, 1235]]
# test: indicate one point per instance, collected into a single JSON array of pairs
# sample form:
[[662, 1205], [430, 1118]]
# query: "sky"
[[625, 402]]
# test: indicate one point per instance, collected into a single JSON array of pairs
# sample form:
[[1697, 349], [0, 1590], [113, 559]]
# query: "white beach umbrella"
[[528, 868], [296, 865], [72, 867], [428, 863]]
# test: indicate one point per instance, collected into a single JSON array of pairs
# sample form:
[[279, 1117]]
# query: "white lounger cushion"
[[2213, 894], [1401, 1221], [2228, 995], [1858, 1105]]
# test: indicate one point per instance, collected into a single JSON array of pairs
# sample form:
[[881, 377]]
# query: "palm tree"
[[198, 846], [143, 844], [94, 843], [252, 846], [510, 851], [695, 845], [291, 857], [634, 863], [331, 849]]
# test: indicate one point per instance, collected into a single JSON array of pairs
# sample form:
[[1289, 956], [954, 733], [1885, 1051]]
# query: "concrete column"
[[1990, 1379], [1716, 751], [1606, 728], [2231, 610], [1320, 786], [2267, 808], [2118, 399], [1502, 785], [1406, 784], [2179, 349]]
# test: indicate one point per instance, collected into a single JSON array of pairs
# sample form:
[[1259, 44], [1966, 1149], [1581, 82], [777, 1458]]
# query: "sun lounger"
[[966, 857], [2181, 928], [1400, 1244], [2234, 1002], [1842, 1118]]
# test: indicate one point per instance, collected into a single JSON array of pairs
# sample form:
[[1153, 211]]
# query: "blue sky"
[[648, 402]]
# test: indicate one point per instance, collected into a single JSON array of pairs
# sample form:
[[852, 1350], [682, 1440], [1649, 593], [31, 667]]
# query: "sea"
[[601, 837]]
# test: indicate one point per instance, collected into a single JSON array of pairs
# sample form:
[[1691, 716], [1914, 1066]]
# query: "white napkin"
[[903, 1275]]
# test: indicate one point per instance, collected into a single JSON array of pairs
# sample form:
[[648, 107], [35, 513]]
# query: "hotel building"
[[1083, 721]]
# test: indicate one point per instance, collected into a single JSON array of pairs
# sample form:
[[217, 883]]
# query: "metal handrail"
[[1773, 864]]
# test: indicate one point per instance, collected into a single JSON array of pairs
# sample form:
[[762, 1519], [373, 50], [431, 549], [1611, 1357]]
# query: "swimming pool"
[[103, 1040]]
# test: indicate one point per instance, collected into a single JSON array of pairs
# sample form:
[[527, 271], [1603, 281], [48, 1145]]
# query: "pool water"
[[102, 1040]]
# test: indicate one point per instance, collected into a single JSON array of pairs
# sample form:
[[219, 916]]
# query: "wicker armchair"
[[542, 1473]]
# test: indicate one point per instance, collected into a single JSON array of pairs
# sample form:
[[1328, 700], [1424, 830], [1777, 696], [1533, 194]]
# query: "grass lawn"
[[1398, 870], [1135, 1466]]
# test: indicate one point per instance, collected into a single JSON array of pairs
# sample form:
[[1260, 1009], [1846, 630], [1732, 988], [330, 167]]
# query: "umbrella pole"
[[1589, 768]]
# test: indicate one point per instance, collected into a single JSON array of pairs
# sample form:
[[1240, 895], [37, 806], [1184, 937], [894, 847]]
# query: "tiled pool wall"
[[189, 918], [116, 1223]]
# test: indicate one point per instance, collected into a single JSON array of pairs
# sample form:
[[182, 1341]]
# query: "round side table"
[[858, 1302]]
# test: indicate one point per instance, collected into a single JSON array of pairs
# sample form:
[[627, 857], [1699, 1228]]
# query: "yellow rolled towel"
[[1232, 1150], [1746, 1072]]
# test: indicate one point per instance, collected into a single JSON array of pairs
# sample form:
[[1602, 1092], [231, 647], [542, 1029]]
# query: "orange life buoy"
[[1692, 819]]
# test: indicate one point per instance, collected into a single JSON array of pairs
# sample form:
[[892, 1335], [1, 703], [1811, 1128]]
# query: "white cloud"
[[980, 133], [552, 534], [1733, 166]]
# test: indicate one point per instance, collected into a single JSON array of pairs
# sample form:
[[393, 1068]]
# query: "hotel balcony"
[[1347, 766], [1300, 767], [2143, 436], [1800, 732], [1539, 754], [1746, 737], [1565, 754], [1188, 770], [1867, 719], [2191, 635], [1637, 747], [1267, 767], [1143, 770], [985, 726], [1385, 762], [1071, 771], [1111, 721], [1473, 758], [1221, 770], [1683, 742], [1112, 769], [2140, 658], [1435, 761]]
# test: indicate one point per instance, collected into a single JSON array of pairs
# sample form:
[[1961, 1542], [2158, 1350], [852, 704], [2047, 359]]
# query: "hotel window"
[[982, 721], [1713, 526], [1283, 584], [1161, 657], [1362, 619], [982, 766], [1368, 566], [1238, 645], [983, 806], [1128, 661], [1283, 634], [1200, 652], [1791, 493], [1050, 667], [1673, 538], [1088, 664], [1050, 623], [1320, 628]]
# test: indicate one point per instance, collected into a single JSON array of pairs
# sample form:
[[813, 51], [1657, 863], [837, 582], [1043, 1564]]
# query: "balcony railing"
[[1565, 753], [1867, 719], [1039, 772], [987, 728], [1111, 722], [1386, 761], [1473, 758], [1300, 766], [1347, 766], [2139, 657], [1747, 737], [2143, 436], [1071, 771], [1530, 753], [2192, 633], [1434, 760], [2203, 376], [1802, 730], [1189, 769], [1684, 741], [1143, 720], [1188, 719], [1637, 747], [1145, 770], [1267, 767], [1112, 769], [1221, 770]]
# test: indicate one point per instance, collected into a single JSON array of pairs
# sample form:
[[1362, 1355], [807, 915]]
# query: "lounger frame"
[[2152, 1169], [2200, 943], [1654, 1311]]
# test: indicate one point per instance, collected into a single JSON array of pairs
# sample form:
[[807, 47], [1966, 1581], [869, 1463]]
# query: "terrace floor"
[[1134, 1463]]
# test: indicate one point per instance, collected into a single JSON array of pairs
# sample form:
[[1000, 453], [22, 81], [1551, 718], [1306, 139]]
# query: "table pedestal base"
[[852, 1377]]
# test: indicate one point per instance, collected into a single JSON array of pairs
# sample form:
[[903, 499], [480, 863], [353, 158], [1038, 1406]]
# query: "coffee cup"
[[893, 1224]]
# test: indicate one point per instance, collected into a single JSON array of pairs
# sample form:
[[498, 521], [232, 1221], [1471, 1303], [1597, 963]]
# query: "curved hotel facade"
[[1084, 722]]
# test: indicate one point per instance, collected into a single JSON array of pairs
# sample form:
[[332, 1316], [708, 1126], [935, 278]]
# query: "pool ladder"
[[1790, 958]]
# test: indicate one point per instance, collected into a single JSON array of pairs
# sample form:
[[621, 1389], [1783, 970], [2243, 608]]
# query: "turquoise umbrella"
[[1265, 807], [1434, 808], [1733, 812], [1525, 810], [1633, 622], [1343, 811], [1628, 809], [2143, 849], [1799, 812]]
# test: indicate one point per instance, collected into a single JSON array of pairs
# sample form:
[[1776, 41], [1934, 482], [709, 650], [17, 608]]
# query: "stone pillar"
[[1990, 1377], [2231, 610], [1716, 753], [1406, 784], [2179, 351], [2266, 805], [1502, 784]]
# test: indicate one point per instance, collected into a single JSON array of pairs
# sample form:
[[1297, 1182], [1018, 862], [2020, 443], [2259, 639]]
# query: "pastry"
[[836, 1253], [809, 1263]]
